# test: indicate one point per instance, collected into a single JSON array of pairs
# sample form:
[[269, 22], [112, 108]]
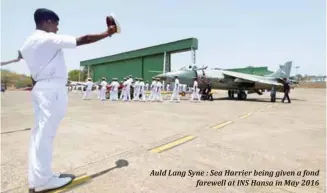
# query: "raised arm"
[[14, 60], [87, 39], [66, 41]]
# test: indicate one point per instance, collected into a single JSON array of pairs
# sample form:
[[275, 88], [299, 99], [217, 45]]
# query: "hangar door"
[[152, 65], [119, 69]]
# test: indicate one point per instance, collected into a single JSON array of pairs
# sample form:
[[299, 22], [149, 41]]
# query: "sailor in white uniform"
[[43, 54], [130, 79], [114, 86], [88, 89], [196, 90], [136, 93], [168, 87], [111, 91], [123, 90], [127, 93], [153, 89], [175, 94], [129, 82], [98, 90], [141, 89], [146, 86], [103, 89], [158, 96]]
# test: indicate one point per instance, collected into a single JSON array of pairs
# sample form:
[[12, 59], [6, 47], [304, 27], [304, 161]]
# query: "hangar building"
[[143, 63]]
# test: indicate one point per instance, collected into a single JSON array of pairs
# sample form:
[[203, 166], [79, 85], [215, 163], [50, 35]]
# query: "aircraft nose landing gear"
[[230, 94], [273, 95]]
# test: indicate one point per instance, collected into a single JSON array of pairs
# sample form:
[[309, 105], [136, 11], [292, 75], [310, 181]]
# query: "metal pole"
[[164, 68], [193, 55], [297, 68], [88, 71], [164, 62]]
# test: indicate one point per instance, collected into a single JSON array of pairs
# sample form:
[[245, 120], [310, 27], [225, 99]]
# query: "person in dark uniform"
[[209, 92], [286, 91], [206, 94]]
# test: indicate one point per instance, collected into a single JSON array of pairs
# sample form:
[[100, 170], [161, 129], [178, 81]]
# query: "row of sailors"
[[182, 87], [139, 89]]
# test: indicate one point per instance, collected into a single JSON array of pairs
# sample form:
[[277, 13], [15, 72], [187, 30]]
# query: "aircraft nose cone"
[[161, 76]]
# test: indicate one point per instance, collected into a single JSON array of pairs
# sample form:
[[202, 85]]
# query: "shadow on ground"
[[83, 180], [278, 100]]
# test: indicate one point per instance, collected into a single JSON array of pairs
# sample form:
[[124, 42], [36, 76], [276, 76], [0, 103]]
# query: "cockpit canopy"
[[190, 68]]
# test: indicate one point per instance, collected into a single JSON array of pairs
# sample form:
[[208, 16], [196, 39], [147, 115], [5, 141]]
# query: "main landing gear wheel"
[[230, 94], [242, 96], [273, 98]]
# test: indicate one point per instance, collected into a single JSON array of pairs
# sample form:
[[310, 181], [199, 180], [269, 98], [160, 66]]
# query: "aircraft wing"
[[240, 77]]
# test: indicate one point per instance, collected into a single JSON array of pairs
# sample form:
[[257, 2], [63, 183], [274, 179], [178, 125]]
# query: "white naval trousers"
[[98, 93], [195, 94], [122, 94], [88, 92], [127, 95], [175, 95], [103, 93], [152, 94], [143, 94], [158, 96], [49, 98], [111, 94], [136, 93], [115, 94]]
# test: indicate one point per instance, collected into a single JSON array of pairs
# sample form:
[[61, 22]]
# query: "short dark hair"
[[43, 14]]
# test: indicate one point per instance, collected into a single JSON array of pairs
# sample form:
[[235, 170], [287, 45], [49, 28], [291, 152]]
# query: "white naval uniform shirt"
[[168, 87], [129, 83], [136, 85], [141, 86], [195, 86], [125, 84], [115, 85], [130, 80], [159, 86], [153, 85], [112, 86], [176, 85], [40, 48], [104, 85], [89, 85]]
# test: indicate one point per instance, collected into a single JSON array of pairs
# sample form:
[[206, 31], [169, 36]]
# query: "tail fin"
[[284, 71]]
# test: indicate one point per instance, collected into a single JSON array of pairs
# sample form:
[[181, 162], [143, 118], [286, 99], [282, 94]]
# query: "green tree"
[[77, 75], [12, 78], [84, 73]]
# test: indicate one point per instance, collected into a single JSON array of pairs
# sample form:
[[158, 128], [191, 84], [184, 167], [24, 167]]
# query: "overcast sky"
[[231, 33]]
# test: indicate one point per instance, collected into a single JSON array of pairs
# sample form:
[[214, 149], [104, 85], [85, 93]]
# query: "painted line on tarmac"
[[87, 178], [74, 183], [172, 144], [269, 106], [221, 125], [245, 116], [14, 131], [261, 109]]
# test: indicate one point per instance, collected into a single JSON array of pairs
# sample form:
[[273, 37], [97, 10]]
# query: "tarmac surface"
[[211, 136]]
